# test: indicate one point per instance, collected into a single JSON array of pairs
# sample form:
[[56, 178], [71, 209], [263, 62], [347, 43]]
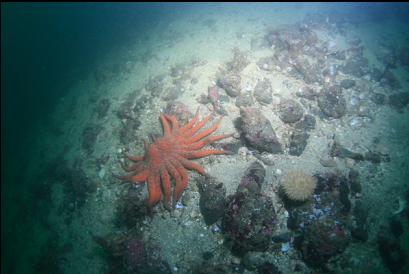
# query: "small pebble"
[[215, 228], [101, 173], [236, 135], [285, 247], [179, 205]]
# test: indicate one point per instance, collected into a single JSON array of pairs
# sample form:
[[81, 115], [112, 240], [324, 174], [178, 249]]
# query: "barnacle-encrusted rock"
[[323, 239], [250, 218]]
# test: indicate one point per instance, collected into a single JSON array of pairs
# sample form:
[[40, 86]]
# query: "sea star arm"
[[192, 165], [174, 122], [136, 178], [205, 133], [165, 178], [154, 190], [201, 144], [191, 123], [199, 125], [175, 174], [182, 184]]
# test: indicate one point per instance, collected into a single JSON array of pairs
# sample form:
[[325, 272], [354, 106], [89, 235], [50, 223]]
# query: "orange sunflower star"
[[169, 156]]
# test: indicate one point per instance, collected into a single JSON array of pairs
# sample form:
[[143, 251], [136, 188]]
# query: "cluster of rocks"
[[322, 227], [335, 23], [248, 217], [249, 220], [260, 135], [325, 225], [181, 75], [299, 53]]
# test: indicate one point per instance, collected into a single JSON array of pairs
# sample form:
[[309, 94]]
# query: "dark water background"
[[45, 48]]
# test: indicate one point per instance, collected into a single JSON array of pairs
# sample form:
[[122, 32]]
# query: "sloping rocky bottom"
[[310, 96]]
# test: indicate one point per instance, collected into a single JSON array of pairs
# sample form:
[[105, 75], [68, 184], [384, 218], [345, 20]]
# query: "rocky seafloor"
[[310, 96]]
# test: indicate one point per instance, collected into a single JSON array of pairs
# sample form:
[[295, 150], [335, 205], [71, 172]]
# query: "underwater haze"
[[204, 138]]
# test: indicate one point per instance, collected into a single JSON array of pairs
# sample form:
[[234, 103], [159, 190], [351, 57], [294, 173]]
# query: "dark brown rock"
[[307, 93], [250, 218], [290, 111], [244, 100], [331, 102], [263, 91], [399, 100], [212, 199], [258, 132], [347, 83], [231, 84]]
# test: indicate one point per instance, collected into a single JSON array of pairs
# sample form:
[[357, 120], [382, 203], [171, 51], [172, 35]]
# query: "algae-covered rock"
[[212, 199], [250, 219]]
